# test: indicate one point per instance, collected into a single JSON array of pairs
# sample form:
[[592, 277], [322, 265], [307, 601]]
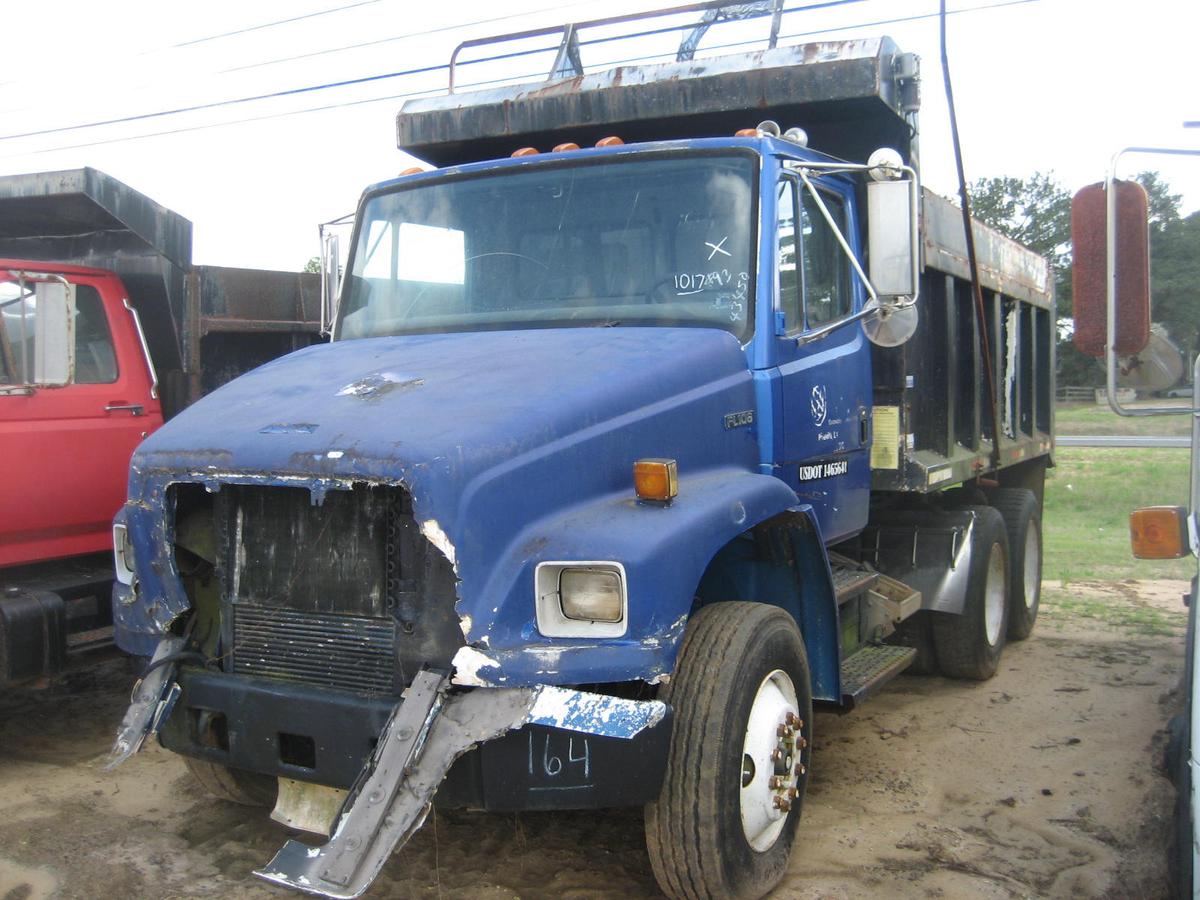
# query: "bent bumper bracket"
[[426, 732]]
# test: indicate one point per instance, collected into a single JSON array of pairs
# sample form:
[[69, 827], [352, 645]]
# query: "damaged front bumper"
[[422, 737]]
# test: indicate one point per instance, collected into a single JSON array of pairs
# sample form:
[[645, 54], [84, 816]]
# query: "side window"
[[95, 360], [826, 269], [789, 274]]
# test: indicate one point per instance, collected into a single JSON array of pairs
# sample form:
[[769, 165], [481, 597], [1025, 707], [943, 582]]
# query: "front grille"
[[348, 652], [346, 594]]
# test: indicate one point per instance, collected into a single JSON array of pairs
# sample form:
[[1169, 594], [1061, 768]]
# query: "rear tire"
[[1023, 521], [233, 785], [969, 645], [717, 829]]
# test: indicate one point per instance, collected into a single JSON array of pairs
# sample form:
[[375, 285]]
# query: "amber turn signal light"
[[656, 479], [1159, 532]]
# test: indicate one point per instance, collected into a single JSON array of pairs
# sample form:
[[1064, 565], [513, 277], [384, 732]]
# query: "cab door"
[[825, 380], [67, 447]]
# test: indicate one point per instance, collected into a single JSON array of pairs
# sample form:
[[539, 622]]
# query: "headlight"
[[593, 595], [123, 554], [581, 599]]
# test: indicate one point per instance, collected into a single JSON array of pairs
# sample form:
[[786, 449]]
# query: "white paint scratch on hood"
[[433, 532]]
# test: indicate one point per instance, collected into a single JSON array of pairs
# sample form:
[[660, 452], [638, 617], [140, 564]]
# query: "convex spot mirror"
[[39, 327]]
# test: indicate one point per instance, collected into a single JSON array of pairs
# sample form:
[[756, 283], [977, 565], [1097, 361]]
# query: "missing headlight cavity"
[[348, 594]]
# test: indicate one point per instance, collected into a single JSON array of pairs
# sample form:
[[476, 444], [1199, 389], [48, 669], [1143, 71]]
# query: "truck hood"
[[516, 447], [441, 408]]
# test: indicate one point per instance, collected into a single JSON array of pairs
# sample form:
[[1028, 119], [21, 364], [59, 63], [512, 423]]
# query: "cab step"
[[869, 668], [850, 578]]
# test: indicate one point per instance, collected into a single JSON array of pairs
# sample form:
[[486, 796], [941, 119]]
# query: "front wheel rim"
[[993, 595], [771, 763]]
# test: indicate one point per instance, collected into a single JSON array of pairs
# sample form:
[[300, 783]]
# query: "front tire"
[[725, 820], [969, 645]]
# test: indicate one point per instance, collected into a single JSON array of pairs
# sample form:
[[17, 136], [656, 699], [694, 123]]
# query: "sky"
[[1040, 85]]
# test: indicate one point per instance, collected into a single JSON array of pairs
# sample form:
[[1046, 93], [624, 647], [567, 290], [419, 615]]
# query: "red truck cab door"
[[66, 446]]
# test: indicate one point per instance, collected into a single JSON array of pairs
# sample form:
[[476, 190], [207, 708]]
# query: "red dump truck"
[[106, 329]]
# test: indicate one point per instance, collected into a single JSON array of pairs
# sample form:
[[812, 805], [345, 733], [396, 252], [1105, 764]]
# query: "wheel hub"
[[772, 760]]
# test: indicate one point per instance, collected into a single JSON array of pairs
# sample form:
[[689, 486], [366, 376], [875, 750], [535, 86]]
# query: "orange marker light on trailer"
[[656, 479], [525, 151], [1159, 532], [563, 148], [411, 170], [611, 141], [746, 132]]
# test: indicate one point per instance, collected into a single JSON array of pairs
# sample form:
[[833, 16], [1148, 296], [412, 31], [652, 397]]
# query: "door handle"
[[134, 408]]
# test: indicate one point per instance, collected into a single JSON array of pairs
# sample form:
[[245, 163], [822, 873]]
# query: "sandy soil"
[[1043, 782]]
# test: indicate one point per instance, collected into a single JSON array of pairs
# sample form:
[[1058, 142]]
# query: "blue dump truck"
[[644, 427]]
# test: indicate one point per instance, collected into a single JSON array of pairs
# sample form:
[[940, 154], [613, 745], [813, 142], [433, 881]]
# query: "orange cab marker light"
[[411, 170], [746, 132], [563, 148], [610, 141], [526, 151], [656, 479], [1159, 532]]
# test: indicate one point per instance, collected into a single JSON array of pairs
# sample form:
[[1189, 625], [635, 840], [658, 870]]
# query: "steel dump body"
[[848, 96]]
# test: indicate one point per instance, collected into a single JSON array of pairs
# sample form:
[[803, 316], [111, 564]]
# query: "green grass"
[[1088, 418], [1088, 500], [1113, 610]]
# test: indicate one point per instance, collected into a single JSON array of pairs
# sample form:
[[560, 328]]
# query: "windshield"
[[665, 241]]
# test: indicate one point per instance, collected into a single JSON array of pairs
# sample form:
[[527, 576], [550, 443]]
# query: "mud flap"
[[426, 732], [153, 696]]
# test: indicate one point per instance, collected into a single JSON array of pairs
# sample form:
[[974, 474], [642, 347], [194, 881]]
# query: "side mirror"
[[53, 333], [330, 282], [892, 237], [1094, 234]]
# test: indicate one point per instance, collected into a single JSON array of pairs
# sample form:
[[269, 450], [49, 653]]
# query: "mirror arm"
[[837, 233], [873, 306], [809, 336], [141, 333], [1110, 262]]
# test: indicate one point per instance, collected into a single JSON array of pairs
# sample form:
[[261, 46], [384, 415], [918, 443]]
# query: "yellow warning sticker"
[[885, 442]]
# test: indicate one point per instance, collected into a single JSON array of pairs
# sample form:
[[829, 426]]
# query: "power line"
[[289, 92], [264, 25], [403, 37], [903, 19], [421, 70]]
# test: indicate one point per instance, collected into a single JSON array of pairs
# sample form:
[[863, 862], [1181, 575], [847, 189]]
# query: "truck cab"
[[715, 234], [69, 427]]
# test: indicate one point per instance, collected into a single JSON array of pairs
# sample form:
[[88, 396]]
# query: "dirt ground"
[[1043, 782]]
